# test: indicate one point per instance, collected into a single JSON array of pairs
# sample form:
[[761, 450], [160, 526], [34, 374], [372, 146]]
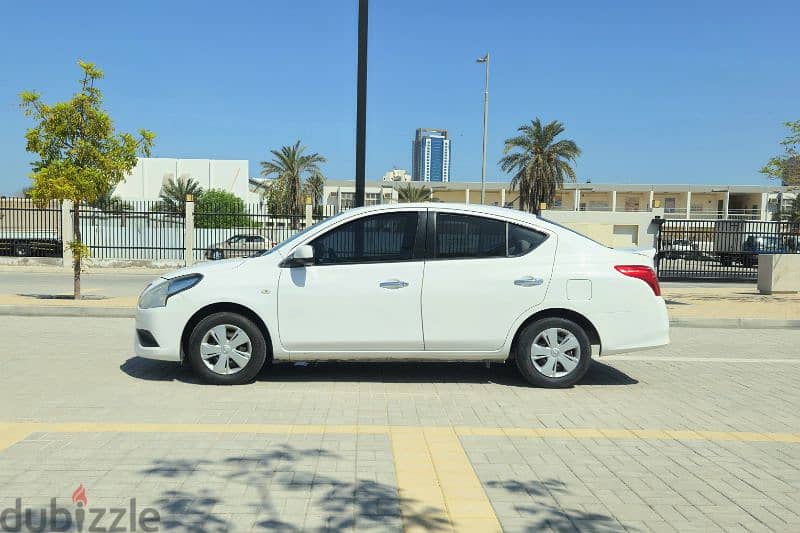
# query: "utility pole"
[[485, 61], [361, 104]]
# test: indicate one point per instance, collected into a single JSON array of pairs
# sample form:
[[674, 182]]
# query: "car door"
[[363, 291], [482, 275]]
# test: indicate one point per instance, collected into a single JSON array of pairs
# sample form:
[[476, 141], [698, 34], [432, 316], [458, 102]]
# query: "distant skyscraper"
[[431, 155]]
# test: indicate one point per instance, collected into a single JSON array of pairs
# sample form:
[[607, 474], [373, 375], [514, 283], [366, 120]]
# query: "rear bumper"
[[644, 328]]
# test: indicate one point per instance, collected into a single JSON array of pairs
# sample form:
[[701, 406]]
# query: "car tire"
[[216, 255], [229, 366], [543, 367]]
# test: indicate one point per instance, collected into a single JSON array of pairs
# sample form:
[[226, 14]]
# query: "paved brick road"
[[713, 438]]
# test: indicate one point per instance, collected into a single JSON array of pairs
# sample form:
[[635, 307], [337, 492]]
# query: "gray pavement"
[[97, 283], [82, 370]]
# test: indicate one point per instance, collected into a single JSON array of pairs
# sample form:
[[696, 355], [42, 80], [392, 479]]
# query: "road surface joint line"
[[436, 436]]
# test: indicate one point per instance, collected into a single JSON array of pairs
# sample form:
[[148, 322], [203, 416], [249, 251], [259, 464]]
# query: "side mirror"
[[302, 256]]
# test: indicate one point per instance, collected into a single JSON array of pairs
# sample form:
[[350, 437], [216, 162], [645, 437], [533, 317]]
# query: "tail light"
[[642, 272]]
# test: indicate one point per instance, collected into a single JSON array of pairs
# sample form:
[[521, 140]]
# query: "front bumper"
[[165, 328]]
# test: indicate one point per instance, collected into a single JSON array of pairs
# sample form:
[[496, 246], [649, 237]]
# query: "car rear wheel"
[[217, 255], [553, 353], [227, 349]]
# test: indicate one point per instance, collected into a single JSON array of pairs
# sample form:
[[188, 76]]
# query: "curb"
[[67, 310], [734, 323], [129, 312]]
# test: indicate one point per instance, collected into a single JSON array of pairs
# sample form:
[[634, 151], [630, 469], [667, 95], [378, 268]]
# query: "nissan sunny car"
[[428, 282]]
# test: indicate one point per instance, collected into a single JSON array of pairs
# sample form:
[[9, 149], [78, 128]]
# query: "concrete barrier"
[[778, 273]]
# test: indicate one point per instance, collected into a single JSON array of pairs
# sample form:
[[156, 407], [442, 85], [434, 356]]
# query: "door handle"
[[528, 281], [393, 284]]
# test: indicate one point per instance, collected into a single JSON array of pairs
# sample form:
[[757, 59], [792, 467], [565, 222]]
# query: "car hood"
[[208, 267]]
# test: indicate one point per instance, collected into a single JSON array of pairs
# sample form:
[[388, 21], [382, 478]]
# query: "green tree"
[[540, 163], [786, 166], [314, 187], [291, 165], [410, 193], [272, 193], [174, 192], [80, 155], [221, 209]]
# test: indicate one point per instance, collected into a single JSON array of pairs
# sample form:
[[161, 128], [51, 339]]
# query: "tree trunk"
[[76, 257]]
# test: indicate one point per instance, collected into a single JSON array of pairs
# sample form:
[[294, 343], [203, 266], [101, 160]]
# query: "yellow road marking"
[[10, 434], [558, 433], [435, 478]]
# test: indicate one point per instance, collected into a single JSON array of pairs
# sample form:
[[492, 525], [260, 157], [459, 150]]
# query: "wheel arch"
[[223, 307], [557, 312]]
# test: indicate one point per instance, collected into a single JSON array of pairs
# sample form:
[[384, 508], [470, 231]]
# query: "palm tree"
[[409, 193], [314, 187], [290, 165], [108, 201], [174, 192], [540, 163]]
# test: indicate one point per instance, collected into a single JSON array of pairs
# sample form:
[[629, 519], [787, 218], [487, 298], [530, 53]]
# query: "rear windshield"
[[573, 231]]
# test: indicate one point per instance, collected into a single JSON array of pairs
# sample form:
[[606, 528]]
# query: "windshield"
[[298, 235]]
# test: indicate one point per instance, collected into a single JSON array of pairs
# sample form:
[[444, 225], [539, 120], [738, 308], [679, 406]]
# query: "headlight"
[[157, 294]]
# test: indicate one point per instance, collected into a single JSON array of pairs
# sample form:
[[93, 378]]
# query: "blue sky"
[[681, 92]]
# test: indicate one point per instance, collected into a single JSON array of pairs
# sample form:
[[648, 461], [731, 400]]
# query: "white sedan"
[[432, 282]]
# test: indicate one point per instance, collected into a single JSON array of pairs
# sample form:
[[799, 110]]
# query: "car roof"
[[473, 208]]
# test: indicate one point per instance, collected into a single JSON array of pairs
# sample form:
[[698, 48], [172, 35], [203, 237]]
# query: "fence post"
[[188, 234], [67, 234], [309, 214]]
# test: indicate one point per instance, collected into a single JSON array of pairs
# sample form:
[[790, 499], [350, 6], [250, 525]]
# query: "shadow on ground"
[[252, 490], [539, 511], [394, 372]]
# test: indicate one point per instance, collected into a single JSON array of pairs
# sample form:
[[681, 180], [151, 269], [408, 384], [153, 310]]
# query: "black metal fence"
[[30, 231], [134, 230], [237, 230], [720, 250]]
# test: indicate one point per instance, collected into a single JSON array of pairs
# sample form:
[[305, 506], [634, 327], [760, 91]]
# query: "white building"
[[150, 173], [397, 175]]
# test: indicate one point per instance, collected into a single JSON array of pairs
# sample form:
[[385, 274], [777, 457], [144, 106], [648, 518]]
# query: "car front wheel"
[[553, 353], [227, 349]]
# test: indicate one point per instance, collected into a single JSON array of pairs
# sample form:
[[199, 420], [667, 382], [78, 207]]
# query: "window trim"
[[430, 240], [417, 251]]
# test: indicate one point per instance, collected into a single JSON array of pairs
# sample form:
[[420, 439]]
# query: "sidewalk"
[[731, 306], [718, 306]]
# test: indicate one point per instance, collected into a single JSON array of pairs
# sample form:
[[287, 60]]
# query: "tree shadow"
[[542, 513], [253, 480], [375, 372]]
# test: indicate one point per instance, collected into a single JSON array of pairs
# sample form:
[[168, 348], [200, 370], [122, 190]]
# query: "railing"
[[238, 230], [30, 231], [722, 250], [135, 230]]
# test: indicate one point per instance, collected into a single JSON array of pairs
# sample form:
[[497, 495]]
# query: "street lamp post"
[[361, 104], [485, 60]]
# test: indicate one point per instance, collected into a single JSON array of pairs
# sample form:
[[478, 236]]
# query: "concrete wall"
[[145, 180], [617, 230]]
